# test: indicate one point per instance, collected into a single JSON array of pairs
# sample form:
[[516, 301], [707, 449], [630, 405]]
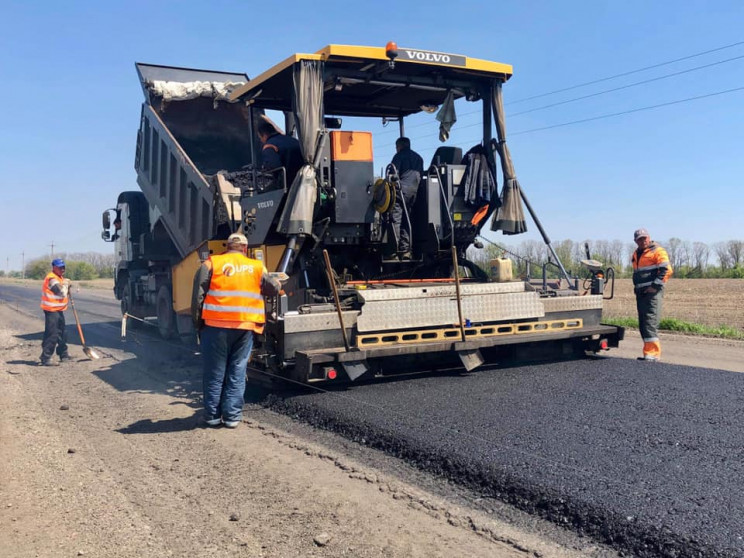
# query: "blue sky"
[[70, 103]]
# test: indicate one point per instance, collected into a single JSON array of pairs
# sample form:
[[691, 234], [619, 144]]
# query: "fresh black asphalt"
[[644, 456]]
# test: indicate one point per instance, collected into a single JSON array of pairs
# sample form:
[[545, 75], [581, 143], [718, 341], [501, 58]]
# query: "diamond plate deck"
[[433, 291], [301, 323], [431, 309], [568, 303]]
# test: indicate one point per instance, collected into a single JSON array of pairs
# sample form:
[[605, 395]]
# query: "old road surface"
[[625, 457]]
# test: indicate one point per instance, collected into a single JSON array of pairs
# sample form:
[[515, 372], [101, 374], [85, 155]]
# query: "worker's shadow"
[[26, 362], [149, 426]]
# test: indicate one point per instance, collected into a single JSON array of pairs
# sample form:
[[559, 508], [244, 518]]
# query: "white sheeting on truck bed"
[[183, 91]]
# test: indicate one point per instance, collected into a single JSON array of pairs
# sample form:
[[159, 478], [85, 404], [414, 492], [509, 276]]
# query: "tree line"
[[690, 260], [81, 266]]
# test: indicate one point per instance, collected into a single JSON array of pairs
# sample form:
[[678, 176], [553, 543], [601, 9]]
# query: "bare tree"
[[674, 251], [735, 250], [721, 250], [616, 250], [686, 253], [700, 256], [601, 249]]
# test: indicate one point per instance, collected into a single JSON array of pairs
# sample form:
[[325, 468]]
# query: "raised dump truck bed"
[[189, 131]]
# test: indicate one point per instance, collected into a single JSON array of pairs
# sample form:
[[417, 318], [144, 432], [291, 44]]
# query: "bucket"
[[501, 270]]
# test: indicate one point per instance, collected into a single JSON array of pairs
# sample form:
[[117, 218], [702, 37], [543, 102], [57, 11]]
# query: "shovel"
[[90, 352]]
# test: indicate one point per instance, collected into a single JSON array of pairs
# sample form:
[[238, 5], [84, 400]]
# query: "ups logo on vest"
[[229, 269]]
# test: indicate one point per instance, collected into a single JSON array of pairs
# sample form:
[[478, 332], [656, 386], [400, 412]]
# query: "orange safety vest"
[[234, 298], [51, 302], [652, 268]]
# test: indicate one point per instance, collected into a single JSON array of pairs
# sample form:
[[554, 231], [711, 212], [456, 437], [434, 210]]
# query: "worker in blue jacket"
[[409, 167], [279, 150]]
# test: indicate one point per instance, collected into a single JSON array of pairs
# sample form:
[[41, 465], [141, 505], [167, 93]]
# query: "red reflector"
[[603, 345], [332, 374]]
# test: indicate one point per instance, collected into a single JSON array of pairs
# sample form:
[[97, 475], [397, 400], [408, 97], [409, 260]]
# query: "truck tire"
[[165, 313]]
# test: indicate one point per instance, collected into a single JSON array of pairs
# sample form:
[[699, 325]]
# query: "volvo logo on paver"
[[433, 57], [265, 204]]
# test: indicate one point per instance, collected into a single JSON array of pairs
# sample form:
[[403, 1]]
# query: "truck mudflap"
[[336, 363]]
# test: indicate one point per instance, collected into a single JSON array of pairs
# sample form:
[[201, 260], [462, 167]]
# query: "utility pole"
[[52, 247], [23, 265]]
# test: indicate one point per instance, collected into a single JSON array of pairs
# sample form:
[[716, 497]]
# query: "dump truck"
[[347, 310]]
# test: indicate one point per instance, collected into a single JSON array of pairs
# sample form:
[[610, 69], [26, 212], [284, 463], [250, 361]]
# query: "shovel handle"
[[77, 320]]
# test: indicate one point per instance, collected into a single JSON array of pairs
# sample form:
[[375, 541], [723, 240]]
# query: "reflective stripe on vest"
[[235, 290], [652, 268], [51, 302]]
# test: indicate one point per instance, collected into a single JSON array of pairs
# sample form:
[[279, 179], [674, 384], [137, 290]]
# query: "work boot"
[[48, 363], [65, 358], [390, 258], [406, 256]]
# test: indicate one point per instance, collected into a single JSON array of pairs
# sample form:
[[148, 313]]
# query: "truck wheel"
[[165, 313]]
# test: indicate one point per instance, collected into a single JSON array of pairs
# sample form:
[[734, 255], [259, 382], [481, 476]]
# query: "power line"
[[626, 73], [696, 68], [629, 111], [607, 79], [600, 117]]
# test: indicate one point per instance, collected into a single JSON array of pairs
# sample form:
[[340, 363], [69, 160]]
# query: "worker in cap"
[[651, 271], [278, 150], [228, 309], [54, 301]]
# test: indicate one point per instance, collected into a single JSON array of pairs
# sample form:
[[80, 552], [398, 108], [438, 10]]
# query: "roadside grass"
[[680, 326]]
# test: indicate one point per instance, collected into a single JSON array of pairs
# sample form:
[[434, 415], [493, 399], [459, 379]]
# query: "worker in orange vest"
[[54, 303], [651, 271], [228, 309]]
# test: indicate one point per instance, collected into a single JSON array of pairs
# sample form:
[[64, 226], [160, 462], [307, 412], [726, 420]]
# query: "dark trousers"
[[649, 314], [55, 335], [649, 317], [400, 223]]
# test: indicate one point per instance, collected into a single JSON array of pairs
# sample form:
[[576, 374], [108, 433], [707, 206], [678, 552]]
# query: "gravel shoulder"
[[690, 350], [108, 458]]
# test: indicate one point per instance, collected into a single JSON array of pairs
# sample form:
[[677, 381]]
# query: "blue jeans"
[[225, 354]]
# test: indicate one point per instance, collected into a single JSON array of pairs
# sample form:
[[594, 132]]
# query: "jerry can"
[[501, 270]]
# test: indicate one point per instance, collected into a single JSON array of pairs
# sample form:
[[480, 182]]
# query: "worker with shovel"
[[54, 300]]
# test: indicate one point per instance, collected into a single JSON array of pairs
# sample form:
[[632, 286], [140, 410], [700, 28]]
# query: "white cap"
[[237, 238]]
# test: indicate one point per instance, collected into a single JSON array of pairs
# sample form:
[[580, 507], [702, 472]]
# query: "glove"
[[66, 282]]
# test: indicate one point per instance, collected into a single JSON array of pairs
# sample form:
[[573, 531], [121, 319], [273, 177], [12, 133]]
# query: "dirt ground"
[[711, 302], [104, 466], [94, 465]]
